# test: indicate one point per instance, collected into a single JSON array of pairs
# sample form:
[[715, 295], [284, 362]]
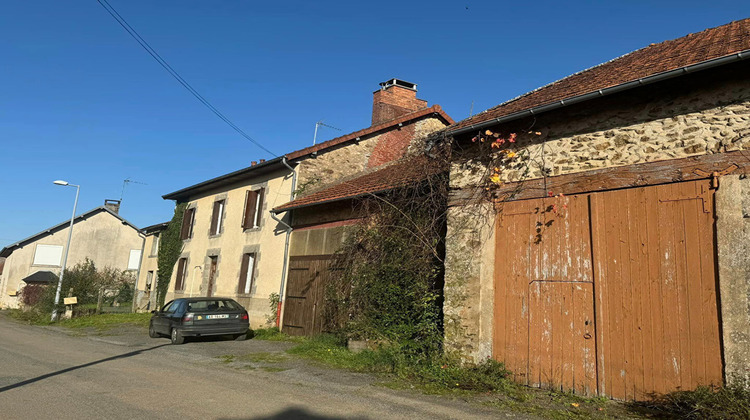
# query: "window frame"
[[247, 273], [217, 216], [181, 274], [188, 220], [253, 203], [155, 245]]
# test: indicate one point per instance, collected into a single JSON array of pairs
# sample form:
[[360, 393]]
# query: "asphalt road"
[[46, 373]]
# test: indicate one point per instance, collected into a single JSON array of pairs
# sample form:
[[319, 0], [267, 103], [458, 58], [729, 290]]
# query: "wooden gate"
[[611, 293], [305, 291]]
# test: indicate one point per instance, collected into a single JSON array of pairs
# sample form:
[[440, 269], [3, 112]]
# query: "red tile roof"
[[435, 109], [401, 173], [656, 58]]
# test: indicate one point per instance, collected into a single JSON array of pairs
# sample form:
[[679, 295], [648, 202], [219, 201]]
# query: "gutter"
[[670, 74], [282, 287]]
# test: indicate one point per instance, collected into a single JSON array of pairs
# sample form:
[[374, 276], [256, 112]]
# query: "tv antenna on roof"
[[321, 123], [125, 183]]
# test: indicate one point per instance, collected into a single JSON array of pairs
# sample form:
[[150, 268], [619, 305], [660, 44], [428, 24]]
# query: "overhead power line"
[[111, 10]]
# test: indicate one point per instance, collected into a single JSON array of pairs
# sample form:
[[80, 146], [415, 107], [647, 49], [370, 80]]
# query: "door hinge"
[[716, 174]]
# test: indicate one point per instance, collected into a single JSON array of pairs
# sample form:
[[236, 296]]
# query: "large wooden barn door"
[[544, 330], [305, 293], [611, 293], [655, 271]]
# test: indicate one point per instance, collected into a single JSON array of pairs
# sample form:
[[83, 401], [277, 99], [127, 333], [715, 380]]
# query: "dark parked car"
[[196, 317]]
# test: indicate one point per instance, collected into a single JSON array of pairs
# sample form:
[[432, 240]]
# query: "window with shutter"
[[179, 283], [155, 245], [187, 223], [247, 269], [216, 217], [258, 207], [251, 205]]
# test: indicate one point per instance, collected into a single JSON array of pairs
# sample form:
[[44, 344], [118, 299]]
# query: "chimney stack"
[[253, 163], [112, 205], [395, 98]]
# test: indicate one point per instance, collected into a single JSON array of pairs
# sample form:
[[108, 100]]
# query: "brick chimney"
[[112, 205], [394, 99]]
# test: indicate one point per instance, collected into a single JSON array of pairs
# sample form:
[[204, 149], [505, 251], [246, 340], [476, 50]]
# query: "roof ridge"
[[656, 58]]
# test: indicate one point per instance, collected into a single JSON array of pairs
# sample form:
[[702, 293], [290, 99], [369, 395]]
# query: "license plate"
[[224, 316]]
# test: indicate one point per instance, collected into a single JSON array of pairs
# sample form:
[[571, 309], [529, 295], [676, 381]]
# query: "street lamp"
[[67, 248]]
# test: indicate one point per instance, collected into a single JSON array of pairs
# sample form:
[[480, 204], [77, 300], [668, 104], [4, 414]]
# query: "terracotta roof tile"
[[435, 109], [401, 173], [656, 58]]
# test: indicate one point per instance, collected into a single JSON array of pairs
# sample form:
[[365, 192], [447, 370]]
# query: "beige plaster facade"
[[148, 275], [98, 235], [266, 241], [694, 115]]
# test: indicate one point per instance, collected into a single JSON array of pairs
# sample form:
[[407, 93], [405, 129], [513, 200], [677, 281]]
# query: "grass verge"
[[488, 382], [99, 322], [728, 403], [273, 334]]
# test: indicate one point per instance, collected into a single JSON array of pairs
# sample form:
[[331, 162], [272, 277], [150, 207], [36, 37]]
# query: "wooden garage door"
[[611, 293], [305, 293], [655, 279], [544, 318]]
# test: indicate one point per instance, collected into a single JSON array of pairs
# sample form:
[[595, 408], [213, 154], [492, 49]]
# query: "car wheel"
[[151, 331], [240, 337], [177, 337]]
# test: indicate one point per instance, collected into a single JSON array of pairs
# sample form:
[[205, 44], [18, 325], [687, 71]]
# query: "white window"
[[135, 259], [48, 255]]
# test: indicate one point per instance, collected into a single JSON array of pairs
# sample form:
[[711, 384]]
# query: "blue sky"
[[81, 101]]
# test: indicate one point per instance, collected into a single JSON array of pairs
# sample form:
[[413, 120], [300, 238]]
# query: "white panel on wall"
[[135, 259], [48, 255]]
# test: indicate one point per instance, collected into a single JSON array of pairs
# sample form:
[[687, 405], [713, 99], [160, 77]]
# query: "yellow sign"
[[70, 300]]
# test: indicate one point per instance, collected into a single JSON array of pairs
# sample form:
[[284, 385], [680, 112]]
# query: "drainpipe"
[[138, 273], [286, 243]]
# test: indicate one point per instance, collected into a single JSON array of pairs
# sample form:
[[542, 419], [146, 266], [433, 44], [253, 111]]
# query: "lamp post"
[[67, 247]]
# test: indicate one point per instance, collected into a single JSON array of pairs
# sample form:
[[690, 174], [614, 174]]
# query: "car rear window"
[[213, 306]]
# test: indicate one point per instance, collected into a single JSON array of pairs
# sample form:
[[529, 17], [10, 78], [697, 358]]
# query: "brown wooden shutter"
[[243, 273], [261, 193], [215, 217], [187, 223], [247, 221], [180, 274]]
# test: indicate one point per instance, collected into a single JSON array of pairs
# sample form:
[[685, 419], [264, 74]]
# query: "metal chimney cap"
[[398, 82]]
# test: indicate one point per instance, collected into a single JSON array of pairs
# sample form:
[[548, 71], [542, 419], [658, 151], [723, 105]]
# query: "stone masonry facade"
[[354, 157], [652, 124]]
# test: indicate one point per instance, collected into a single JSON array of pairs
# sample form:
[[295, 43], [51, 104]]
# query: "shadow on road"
[[297, 414], [72, 368]]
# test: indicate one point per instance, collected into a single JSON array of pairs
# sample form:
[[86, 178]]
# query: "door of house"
[[305, 294], [610, 293], [212, 276]]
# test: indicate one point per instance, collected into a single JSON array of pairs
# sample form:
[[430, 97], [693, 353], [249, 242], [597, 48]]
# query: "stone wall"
[[733, 245], [354, 157], [655, 123], [652, 125]]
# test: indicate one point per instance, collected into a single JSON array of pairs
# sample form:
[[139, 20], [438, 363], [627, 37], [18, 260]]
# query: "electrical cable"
[[155, 55]]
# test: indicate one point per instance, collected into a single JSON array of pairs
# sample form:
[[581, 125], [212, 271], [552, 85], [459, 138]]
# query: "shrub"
[[84, 282], [387, 279], [727, 403], [31, 294]]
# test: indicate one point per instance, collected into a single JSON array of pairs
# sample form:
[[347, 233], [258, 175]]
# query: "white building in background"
[[100, 235]]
